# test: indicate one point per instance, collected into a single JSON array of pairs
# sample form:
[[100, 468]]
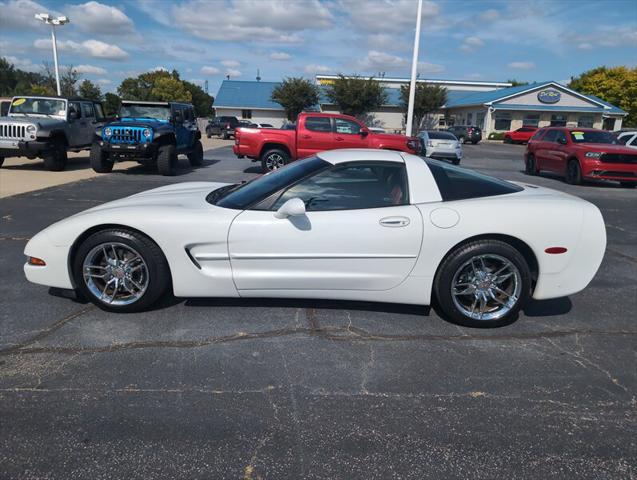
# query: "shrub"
[[496, 136]]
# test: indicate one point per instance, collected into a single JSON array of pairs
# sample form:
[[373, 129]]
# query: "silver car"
[[440, 145]]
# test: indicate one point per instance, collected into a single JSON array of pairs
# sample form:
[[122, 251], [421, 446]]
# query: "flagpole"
[[414, 70]]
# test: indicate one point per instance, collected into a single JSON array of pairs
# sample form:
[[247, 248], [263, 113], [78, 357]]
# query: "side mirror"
[[294, 207], [73, 115], [561, 141], [364, 132]]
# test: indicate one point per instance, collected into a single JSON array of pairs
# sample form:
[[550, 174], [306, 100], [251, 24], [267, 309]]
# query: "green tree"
[[616, 85], [295, 94], [516, 83], [14, 81], [69, 77], [170, 89], [356, 96], [428, 99], [111, 104], [200, 99], [88, 89]]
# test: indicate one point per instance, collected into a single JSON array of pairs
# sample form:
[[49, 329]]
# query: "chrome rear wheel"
[[486, 287]]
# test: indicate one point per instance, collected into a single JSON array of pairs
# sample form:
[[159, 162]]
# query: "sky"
[[208, 39]]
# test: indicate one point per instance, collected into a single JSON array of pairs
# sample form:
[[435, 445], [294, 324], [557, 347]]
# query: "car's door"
[[88, 123], [190, 124], [359, 232], [560, 153], [181, 131], [543, 150], [347, 134], [75, 125], [314, 136]]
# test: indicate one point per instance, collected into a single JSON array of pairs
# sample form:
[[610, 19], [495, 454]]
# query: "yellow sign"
[[19, 101], [325, 81]]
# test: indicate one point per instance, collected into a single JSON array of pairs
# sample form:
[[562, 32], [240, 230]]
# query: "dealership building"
[[492, 106]]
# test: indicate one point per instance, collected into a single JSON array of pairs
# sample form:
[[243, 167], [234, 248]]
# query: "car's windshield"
[[158, 112], [38, 106], [242, 196], [592, 136], [440, 135]]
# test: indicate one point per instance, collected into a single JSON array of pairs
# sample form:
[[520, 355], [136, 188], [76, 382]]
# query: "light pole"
[[414, 69], [54, 22]]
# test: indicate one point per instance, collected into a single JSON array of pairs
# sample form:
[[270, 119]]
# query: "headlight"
[[147, 132], [108, 131], [31, 128], [594, 154]]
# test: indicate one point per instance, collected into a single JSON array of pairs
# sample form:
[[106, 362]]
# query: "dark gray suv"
[[466, 133], [222, 127]]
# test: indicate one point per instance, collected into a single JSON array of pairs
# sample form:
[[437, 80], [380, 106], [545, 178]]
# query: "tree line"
[[159, 85]]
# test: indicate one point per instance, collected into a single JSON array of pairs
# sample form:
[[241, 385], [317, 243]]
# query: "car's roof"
[[359, 155]]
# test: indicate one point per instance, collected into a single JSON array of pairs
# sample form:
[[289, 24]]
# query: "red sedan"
[[581, 153], [521, 135]]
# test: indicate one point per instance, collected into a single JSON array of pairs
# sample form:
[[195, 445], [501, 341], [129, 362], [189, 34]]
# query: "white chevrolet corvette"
[[368, 225]]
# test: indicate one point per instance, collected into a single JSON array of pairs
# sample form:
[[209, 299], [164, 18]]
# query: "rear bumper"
[[445, 154], [621, 172], [243, 151]]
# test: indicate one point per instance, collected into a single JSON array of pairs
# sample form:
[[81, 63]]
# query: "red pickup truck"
[[314, 132]]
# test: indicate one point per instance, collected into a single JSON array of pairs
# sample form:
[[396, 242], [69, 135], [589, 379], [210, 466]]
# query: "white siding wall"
[[273, 117]]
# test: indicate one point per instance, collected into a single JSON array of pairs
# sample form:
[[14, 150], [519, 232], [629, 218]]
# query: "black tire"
[[454, 263], [208, 135], [507, 139], [462, 140], [530, 167], [196, 156], [167, 160], [573, 173], [224, 135], [475, 142], [99, 160], [456, 161], [55, 157], [158, 272], [274, 159], [623, 184], [1, 161]]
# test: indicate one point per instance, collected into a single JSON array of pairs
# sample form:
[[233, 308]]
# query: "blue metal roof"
[[549, 108], [494, 96], [246, 94]]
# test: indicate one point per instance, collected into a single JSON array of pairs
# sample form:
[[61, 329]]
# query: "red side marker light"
[[38, 262], [555, 250]]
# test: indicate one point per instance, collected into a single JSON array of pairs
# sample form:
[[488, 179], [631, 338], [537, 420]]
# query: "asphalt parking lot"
[[263, 389]]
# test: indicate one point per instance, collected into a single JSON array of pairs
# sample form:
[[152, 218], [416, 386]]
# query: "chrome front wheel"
[[486, 287], [115, 274]]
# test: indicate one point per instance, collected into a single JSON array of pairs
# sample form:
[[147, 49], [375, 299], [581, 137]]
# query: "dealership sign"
[[549, 96]]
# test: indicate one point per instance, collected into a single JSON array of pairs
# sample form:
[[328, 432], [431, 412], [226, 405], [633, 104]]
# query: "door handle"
[[339, 139], [394, 222], [306, 137]]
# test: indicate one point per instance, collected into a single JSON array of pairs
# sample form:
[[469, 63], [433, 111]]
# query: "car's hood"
[[604, 147], [139, 122], [185, 195], [41, 121]]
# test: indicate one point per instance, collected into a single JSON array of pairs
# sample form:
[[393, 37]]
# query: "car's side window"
[[75, 107], [551, 136], [99, 111], [560, 137], [538, 135], [318, 124], [87, 110], [351, 186], [347, 126]]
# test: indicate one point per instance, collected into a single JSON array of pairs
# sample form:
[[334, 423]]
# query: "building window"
[[480, 119], [246, 113], [609, 124], [585, 121], [558, 120], [441, 122], [531, 120], [469, 118], [502, 121]]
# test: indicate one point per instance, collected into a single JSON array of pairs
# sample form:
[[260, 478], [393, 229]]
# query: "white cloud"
[[233, 72], [521, 65], [230, 63], [313, 69], [210, 70], [585, 46], [96, 17], [90, 48], [23, 64], [471, 44], [90, 70], [489, 15], [426, 67], [394, 16], [103, 81], [158, 68], [381, 61], [272, 21], [280, 56], [384, 41], [19, 14], [605, 36]]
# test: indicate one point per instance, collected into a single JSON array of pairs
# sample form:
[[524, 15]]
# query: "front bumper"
[[620, 172], [21, 148], [56, 271], [123, 150]]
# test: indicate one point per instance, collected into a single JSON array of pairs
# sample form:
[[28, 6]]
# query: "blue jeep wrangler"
[[151, 133]]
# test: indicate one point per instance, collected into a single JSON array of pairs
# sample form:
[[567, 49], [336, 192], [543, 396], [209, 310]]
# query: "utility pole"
[[59, 21], [414, 70]]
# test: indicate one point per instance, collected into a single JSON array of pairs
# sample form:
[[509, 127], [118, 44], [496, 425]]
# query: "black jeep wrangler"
[[152, 133]]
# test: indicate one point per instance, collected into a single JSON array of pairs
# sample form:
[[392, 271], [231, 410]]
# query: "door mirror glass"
[[364, 131], [561, 140], [73, 114], [294, 207]]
